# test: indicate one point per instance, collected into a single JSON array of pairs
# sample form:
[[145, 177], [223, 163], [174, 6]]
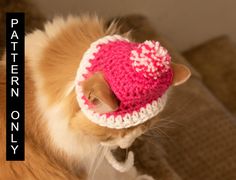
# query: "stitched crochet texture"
[[139, 74]]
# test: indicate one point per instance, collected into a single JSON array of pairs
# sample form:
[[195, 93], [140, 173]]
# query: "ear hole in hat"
[[99, 94], [181, 74]]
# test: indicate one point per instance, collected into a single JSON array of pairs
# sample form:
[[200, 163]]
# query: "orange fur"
[[50, 76], [52, 59], [39, 162], [98, 92]]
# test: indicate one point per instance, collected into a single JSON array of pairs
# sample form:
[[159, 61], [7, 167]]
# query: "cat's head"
[[54, 56]]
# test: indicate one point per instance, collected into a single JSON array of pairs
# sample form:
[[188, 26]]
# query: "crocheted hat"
[[139, 75]]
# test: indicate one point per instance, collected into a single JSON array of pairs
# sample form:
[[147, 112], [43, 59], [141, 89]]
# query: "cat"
[[61, 143]]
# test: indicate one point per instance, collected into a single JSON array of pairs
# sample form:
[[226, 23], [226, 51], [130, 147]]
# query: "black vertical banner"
[[15, 54]]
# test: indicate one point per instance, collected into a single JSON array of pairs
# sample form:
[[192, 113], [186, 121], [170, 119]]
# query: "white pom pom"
[[150, 58]]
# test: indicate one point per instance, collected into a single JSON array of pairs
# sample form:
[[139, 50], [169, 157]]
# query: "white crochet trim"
[[130, 119], [121, 166]]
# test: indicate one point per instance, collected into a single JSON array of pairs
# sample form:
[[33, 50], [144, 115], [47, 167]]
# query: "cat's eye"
[[94, 100]]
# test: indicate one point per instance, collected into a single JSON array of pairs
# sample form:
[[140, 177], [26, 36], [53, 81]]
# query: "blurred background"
[[185, 23]]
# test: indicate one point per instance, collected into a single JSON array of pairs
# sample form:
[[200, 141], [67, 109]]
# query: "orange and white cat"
[[61, 143]]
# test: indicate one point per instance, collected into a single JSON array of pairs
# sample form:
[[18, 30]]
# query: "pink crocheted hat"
[[139, 75]]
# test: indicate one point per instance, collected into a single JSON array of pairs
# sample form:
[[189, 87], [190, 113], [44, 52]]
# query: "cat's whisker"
[[163, 126], [157, 129], [154, 144], [157, 133], [91, 165], [162, 132], [179, 110], [100, 159], [94, 162], [174, 123], [152, 135], [126, 153], [168, 122]]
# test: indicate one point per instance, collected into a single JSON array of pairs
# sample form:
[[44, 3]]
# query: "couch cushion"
[[198, 135], [202, 136], [216, 61]]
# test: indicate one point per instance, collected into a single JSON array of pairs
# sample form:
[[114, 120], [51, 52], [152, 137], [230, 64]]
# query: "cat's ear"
[[99, 94], [181, 73]]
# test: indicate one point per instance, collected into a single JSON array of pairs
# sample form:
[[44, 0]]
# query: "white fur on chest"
[[75, 146], [81, 149]]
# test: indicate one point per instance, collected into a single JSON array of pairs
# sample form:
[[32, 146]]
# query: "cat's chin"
[[117, 144], [124, 142]]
